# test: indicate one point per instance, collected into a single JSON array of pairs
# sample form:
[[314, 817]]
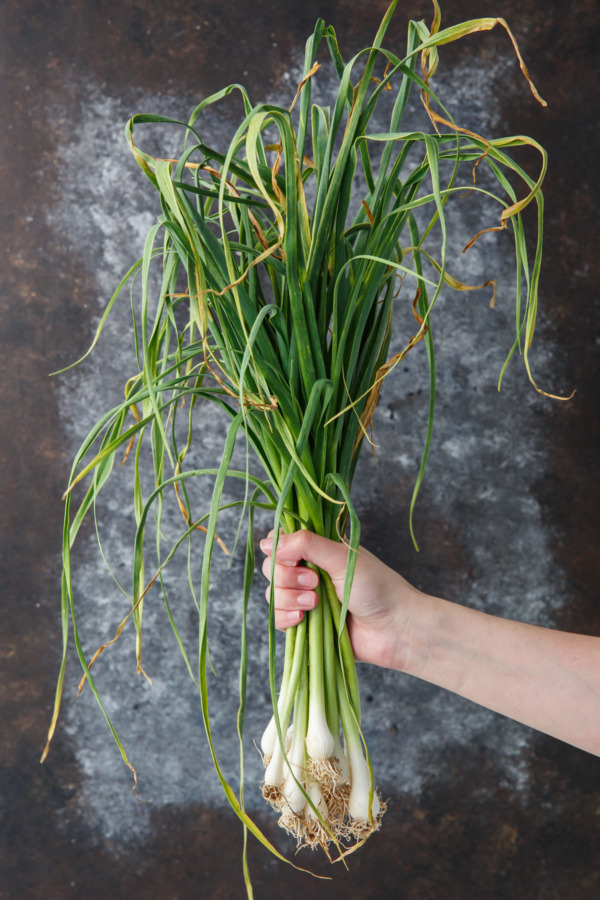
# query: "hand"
[[381, 602], [544, 678]]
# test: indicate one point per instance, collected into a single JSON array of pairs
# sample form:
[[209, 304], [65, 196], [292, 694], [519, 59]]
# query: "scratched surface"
[[507, 519]]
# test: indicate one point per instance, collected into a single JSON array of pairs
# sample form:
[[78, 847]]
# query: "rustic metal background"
[[508, 519]]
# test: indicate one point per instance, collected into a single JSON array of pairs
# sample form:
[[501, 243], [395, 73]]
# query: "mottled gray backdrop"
[[507, 519]]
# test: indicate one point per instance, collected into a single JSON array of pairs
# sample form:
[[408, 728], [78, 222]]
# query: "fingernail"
[[266, 544], [308, 578], [307, 601]]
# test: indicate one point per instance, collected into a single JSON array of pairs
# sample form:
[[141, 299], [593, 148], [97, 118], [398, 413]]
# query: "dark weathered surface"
[[508, 519]]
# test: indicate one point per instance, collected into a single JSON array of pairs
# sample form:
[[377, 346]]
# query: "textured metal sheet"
[[508, 517]]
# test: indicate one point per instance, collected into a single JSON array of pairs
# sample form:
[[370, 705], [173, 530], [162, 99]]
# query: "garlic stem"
[[358, 803], [317, 799], [363, 802], [319, 739], [342, 760], [274, 770], [293, 792], [269, 738]]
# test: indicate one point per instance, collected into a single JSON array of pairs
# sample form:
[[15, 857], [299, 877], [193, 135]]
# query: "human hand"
[[547, 679], [381, 603]]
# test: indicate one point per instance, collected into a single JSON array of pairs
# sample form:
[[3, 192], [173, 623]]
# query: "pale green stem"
[[293, 788], [329, 658], [298, 666], [319, 740], [349, 722], [269, 737], [345, 647]]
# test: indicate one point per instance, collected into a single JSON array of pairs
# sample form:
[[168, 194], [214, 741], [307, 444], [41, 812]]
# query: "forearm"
[[547, 679]]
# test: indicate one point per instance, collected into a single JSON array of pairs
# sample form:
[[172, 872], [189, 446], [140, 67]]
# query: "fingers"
[[294, 592], [267, 546], [293, 585], [290, 605], [291, 548], [287, 618], [290, 576], [292, 601]]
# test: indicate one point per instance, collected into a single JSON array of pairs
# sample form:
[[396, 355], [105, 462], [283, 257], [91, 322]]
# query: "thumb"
[[305, 545]]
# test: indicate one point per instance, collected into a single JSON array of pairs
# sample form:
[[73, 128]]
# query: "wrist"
[[447, 642], [415, 633], [412, 631]]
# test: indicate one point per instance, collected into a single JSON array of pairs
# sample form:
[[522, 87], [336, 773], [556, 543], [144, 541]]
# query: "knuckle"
[[286, 576], [305, 539], [287, 618]]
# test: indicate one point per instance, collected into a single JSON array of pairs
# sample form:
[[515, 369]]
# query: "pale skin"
[[546, 679]]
